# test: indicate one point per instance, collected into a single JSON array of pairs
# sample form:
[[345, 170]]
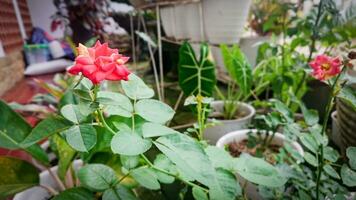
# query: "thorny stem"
[[171, 174]]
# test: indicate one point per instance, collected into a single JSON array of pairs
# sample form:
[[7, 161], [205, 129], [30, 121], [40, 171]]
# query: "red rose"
[[100, 63], [325, 67]]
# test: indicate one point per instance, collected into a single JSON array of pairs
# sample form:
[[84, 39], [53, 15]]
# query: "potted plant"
[[231, 113], [122, 142]]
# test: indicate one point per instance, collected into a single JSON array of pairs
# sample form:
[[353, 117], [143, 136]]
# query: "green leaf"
[[348, 176], [164, 163], [75, 113], [348, 94], [13, 130], [154, 111], [220, 158], [146, 177], [310, 159], [136, 89], [238, 67], [115, 103], [188, 156], [46, 128], [196, 76], [81, 137], [331, 154], [129, 144], [65, 155], [154, 130], [119, 192], [309, 142], [199, 194], [97, 177], [75, 194], [311, 117], [16, 176], [284, 110], [258, 171], [331, 171], [351, 154], [129, 162], [226, 186]]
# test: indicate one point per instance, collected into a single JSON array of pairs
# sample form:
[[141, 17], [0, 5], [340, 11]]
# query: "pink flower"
[[100, 63], [325, 67]]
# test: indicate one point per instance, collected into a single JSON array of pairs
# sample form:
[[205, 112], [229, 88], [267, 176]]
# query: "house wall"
[[41, 12]]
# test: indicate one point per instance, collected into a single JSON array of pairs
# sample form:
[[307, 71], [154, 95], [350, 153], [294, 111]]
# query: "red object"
[[325, 67], [100, 63]]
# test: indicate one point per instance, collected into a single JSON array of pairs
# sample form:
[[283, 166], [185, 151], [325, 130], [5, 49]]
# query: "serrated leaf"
[[238, 67], [115, 103], [154, 130], [331, 171], [351, 155], [119, 192], [258, 171], [196, 76], [146, 177], [136, 89], [75, 113], [97, 177], [46, 128], [16, 175], [129, 162], [310, 159], [75, 194], [130, 144], [81, 137], [154, 111], [348, 176]]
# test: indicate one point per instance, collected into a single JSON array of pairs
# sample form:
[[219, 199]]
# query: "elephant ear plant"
[[123, 142]]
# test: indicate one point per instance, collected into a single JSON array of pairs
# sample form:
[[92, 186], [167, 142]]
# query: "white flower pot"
[[167, 18], [224, 20], [179, 22], [249, 46], [38, 193], [213, 134], [192, 22], [240, 135], [335, 133]]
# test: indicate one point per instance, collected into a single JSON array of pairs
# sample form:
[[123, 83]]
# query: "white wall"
[[41, 11]]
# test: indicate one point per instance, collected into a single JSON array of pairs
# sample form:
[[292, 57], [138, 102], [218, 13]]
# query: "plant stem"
[[56, 179], [325, 123], [49, 190], [171, 174]]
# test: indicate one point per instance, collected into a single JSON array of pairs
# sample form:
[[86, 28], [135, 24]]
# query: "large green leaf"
[[146, 177], [65, 155], [119, 192], [348, 94], [220, 158], [164, 163], [351, 155], [81, 137], [348, 176], [97, 177], [76, 113], [16, 175], [258, 171], [129, 162], [238, 67], [136, 89], [188, 155], [14, 129], [226, 186], [196, 76], [130, 144], [75, 194], [154, 111], [199, 194], [154, 130], [45, 128], [115, 103]]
